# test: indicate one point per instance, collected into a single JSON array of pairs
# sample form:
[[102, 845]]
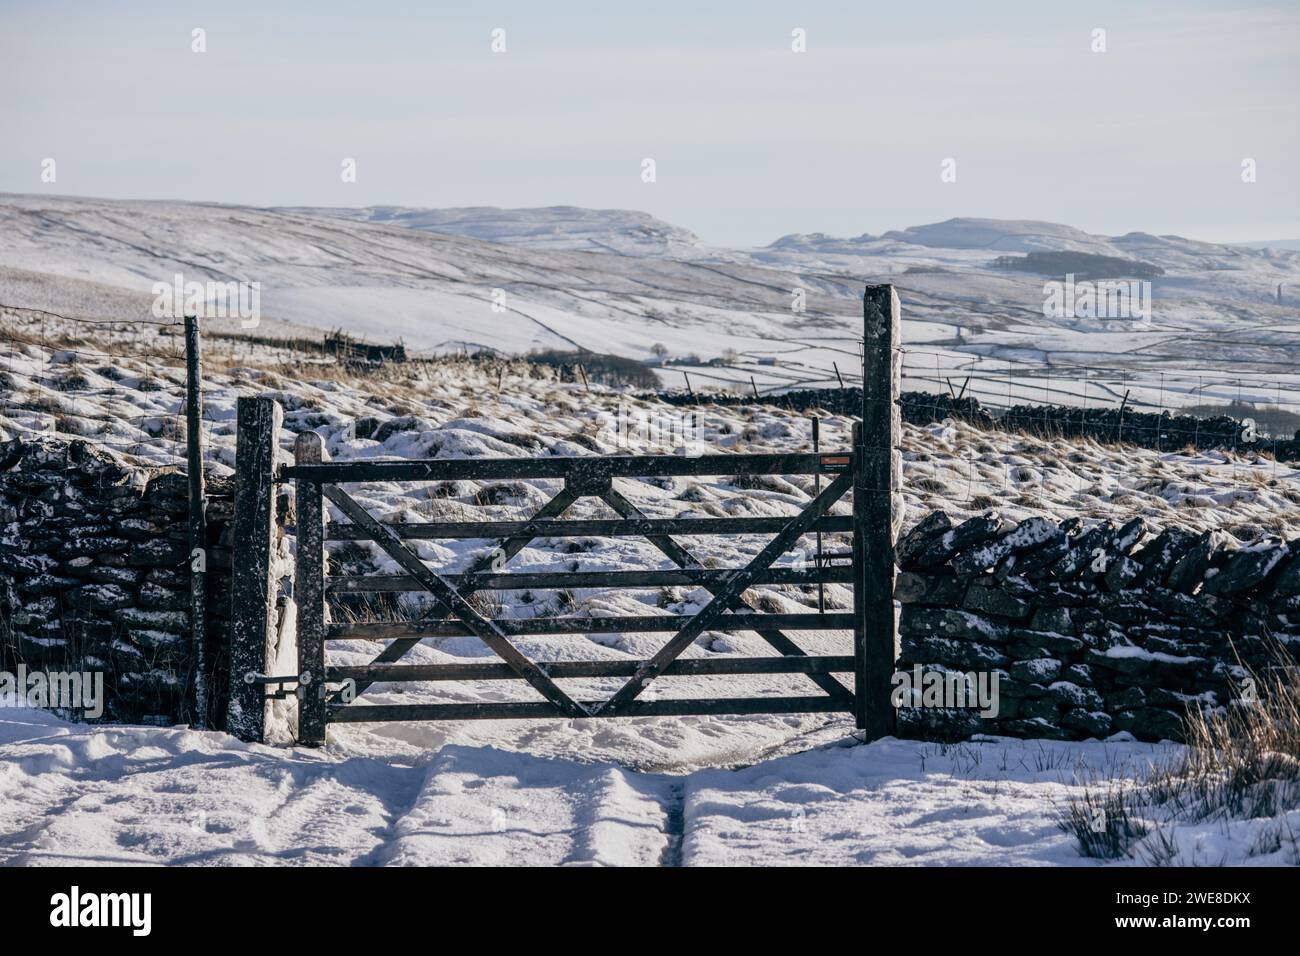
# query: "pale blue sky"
[[751, 140]]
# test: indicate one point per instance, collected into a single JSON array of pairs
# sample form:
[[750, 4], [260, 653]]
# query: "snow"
[[104, 795], [127, 795], [1003, 235], [620, 231], [1141, 653], [492, 807]]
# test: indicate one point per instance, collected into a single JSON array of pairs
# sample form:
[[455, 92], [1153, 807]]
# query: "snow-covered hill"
[[1002, 235], [431, 278], [620, 231], [439, 293]]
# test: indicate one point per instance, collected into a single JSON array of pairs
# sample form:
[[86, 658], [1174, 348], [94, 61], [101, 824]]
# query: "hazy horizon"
[[683, 225], [751, 140]]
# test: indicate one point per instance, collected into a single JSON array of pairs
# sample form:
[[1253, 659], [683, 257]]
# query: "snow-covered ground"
[[693, 790], [111, 392], [523, 794]]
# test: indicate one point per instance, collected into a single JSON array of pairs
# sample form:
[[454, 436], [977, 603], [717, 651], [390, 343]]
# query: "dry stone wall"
[[1090, 630], [95, 574]]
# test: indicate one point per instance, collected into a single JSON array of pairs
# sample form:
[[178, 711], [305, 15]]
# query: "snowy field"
[[122, 398], [693, 790]]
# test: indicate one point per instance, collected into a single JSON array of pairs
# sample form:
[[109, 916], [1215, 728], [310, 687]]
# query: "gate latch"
[[303, 681]]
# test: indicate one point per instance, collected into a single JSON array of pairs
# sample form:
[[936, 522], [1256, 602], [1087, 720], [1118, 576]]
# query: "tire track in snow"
[[481, 805], [674, 825]]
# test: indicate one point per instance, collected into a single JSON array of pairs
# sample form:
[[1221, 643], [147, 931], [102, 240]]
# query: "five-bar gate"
[[327, 693]]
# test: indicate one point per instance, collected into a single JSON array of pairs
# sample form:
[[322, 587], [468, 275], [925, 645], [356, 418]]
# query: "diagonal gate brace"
[[485, 630], [684, 559], [506, 548], [725, 596]]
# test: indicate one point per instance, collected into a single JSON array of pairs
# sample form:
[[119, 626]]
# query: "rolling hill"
[[618, 281]]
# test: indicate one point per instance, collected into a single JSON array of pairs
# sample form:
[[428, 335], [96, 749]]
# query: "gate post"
[[252, 625], [875, 461], [309, 594], [198, 529]]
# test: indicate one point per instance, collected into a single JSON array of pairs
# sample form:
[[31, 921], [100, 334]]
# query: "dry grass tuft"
[[1240, 762], [1105, 823], [503, 493]]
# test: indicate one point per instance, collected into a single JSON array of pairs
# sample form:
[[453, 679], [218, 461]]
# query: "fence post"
[[198, 526], [875, 441], [309, 594], [252, 626]]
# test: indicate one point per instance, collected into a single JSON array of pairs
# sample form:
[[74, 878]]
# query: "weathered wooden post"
[[252, 626], [309, 593], [877, 470], [198, 533]]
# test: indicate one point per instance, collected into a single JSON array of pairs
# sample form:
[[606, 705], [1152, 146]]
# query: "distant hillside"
[[621, 231], [623, 283], [1005, 235], [820, 242]]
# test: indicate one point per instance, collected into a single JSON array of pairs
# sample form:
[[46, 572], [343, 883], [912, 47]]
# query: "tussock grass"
[[73, 380], [1239, 762], [501, 493], [1106, 821], [1242, 762], [71, 425], [489, 603], [931, 485]]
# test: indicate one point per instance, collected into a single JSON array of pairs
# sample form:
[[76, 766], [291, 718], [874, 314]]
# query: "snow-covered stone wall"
[[95, 572], [1089, 630]]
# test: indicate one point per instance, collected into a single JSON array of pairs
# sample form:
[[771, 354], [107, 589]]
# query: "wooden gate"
[[327, 692]]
